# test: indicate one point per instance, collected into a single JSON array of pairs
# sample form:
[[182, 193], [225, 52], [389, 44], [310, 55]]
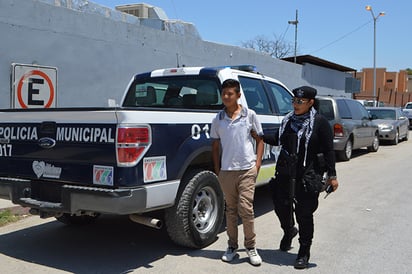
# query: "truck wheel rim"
[[204, 212]]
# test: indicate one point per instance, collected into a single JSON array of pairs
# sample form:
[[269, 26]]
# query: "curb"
[[17, 210]]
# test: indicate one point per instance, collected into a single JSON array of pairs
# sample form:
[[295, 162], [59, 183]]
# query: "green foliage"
[[409, 70], [7, 216]]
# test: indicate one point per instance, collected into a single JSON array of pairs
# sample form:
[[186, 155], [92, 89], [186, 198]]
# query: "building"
[[96, 50], [329, 77], [392, 88]]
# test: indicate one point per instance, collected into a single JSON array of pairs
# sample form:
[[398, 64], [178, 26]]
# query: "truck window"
[[255, 95], [283, 99], [175, 92]]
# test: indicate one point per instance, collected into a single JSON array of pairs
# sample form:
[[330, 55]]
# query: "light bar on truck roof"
[[247, 68]]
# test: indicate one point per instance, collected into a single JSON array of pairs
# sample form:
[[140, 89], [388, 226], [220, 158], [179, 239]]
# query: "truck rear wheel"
[[195, 219]]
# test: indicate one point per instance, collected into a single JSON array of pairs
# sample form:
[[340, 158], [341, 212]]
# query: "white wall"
[[98, 50]]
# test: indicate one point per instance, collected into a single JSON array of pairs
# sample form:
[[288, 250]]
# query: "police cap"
[[304, 92]]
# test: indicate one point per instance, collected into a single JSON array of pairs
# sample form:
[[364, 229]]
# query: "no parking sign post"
[[33, 86]]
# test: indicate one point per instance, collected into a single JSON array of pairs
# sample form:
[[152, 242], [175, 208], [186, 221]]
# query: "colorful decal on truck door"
[[103, 175], [154, 169]]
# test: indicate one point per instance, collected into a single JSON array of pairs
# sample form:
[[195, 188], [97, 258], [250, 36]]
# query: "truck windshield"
[[174, 92]]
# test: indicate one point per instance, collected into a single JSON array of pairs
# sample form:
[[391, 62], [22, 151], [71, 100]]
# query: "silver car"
[[351, 124], [392, 122]]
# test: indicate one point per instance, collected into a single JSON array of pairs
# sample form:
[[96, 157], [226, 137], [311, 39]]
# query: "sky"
[[339, 31]]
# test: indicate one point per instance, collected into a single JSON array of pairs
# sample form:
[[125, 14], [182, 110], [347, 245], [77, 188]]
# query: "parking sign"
[[33, 86]]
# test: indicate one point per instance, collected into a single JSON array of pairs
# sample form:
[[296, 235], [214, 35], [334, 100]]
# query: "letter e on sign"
[[33, 86]]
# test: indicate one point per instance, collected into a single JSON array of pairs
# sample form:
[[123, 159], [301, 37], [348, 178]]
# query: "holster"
[[312, 180]]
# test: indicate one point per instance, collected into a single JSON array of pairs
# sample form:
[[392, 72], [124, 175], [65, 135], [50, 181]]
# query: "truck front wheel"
[[195, 219]]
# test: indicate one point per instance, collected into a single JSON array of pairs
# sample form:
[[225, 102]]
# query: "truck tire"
[[69, 219], [196, 218]]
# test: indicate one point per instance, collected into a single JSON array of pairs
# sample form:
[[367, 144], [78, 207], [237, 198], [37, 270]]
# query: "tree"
[[276, 48], [409, 71]]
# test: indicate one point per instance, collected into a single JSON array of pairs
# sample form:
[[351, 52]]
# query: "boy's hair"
[[231, 83]]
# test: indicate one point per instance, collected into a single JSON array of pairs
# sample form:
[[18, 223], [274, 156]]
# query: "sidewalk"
[[6, 204]]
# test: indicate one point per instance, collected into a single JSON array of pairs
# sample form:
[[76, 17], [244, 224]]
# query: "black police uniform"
[[321, 141], [303, 203]]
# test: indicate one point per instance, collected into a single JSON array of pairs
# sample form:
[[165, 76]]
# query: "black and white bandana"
[[300, 126]]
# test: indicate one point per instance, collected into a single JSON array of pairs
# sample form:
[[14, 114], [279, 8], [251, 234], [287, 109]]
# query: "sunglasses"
[[299, 101]]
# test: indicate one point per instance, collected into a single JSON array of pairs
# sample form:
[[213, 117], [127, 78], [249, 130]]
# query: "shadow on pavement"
[[115, 239]]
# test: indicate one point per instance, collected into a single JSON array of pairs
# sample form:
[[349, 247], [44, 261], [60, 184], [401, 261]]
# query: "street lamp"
[[369, 8]]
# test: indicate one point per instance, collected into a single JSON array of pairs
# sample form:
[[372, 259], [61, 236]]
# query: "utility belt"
[[313, 180]]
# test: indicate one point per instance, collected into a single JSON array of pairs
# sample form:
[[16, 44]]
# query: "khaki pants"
[[239, 189]]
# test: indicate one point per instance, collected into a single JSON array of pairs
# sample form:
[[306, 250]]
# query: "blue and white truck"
[[150, 155]]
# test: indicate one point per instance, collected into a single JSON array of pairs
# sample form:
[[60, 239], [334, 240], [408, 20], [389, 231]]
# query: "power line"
[[284, 33], [342, 37]]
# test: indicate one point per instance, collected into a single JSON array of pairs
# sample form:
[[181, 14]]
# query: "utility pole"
[[295, 22], [369, 8]]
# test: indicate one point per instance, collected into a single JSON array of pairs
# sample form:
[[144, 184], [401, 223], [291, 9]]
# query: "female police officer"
[[306, 142]]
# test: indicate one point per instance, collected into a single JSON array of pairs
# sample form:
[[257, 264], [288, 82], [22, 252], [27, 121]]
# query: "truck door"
[[264, 101]]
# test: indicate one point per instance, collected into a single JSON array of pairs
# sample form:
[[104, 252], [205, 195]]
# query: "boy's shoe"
[[254, 257], [229, 254]]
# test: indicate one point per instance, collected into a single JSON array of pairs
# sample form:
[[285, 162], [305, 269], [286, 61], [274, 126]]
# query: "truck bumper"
[[76, 199]]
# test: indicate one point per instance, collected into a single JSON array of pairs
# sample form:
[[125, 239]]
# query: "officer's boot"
[[286, 242], [302, 260]]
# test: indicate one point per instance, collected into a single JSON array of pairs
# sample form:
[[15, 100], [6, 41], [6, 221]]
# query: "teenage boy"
[[237, 167]]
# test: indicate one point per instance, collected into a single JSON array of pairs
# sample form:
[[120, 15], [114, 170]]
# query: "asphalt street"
[[364, 227]]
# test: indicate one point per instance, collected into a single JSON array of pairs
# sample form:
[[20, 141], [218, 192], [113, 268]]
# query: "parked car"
[[392, 122], [408, 112], [371, 103], [351, 123]]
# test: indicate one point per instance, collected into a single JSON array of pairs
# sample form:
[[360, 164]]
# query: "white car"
[[408, 112]]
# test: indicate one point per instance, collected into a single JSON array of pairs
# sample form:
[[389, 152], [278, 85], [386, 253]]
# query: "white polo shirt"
[[237, 143]]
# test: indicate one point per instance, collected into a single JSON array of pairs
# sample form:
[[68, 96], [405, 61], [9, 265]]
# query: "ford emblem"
[[46, 142]]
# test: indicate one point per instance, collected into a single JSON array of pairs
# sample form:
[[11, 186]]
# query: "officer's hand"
[[334, 183]]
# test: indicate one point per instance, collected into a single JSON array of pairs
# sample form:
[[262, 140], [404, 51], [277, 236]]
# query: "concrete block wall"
[[97, 50]]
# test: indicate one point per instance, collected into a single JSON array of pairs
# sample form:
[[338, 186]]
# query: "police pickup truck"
[[149, 157]]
